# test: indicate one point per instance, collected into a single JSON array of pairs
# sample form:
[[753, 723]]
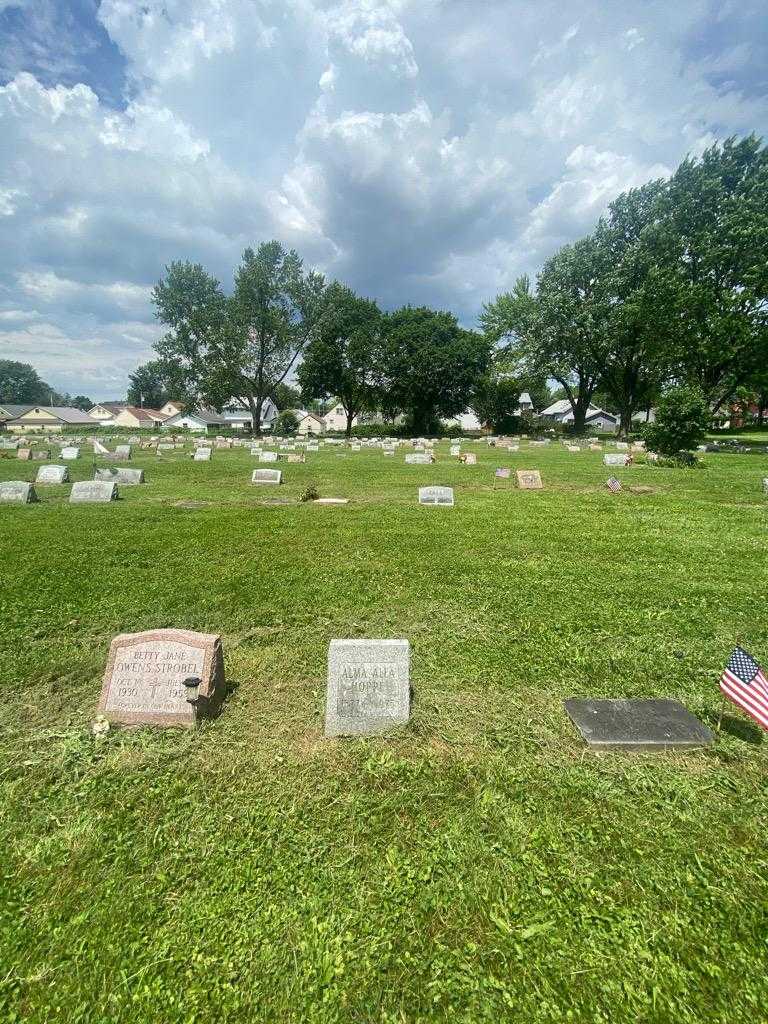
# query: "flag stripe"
[[743, 702], [745, 697], [756, 688]]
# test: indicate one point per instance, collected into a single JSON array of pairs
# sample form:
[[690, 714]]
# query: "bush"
[[286, 423], [682, 420], [309, 494]]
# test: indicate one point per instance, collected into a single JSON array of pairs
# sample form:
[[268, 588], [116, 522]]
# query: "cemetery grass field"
[[478, 866]]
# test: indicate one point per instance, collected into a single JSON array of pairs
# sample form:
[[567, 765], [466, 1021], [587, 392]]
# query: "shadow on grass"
[[739, 728]]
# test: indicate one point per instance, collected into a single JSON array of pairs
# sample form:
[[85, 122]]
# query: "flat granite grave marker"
[[93, 491], [658, 724], [615, 460], [267, 476], [436, 496], [418, 459], [502, 473], [202, 455], [126, 477], [123, 451], [368, 687], [267, 456], [70, 453], [529, 479], [52, 475], [19, 491], [163, 677]]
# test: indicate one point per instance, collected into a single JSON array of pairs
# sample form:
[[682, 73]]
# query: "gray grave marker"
[[368, 686], [120, 475], [267, 476], [658, 724], [92, 491], [529, 479], [70, 453], [18, 491], [52, 475], [436, 496]]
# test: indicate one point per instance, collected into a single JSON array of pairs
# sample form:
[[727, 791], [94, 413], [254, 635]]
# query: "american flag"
[[744, 683], [613, 484]]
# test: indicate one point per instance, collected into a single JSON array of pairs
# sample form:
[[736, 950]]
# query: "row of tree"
[[280, 319], [671, 288], [20, 384]]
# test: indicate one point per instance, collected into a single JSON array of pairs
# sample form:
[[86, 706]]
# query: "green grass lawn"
[[480, 865]]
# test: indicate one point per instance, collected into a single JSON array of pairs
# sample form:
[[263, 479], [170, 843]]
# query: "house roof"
[[207, 416], [313, 416], [111, 406], [593, 415], [557, 408], [525, 399], [61, 412], [10, 412], [147, 416]]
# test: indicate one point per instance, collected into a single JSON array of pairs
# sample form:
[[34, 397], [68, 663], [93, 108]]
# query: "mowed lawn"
[[480, 865]]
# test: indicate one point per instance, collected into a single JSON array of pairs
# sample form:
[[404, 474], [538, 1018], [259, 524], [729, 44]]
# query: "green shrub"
[[682, 420]]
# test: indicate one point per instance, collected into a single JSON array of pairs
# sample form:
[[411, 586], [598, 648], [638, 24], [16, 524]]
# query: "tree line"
[[669, 289], [20, 384]]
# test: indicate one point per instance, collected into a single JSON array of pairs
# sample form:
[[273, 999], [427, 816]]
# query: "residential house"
[[525, 405], [133, 416], [11, 412], [238, 415], [336, 419], [105, 412], [198, 422], [172, 408], [597, 419], [647, 416], [49, 419], [311, 424]]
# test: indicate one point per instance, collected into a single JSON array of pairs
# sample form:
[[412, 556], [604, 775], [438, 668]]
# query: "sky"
[[421, 151]]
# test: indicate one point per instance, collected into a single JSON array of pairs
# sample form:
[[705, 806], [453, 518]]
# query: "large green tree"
[[712, 285], [246, 344], [343, 359], [430, 366], [152, 384], [633, 360], [21, 385], [560, 329]]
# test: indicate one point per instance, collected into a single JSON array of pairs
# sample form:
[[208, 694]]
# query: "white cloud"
[[422, 150]]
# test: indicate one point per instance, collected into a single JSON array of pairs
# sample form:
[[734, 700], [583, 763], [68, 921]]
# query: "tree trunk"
[[350, 416], [625, 421], [255, 406]]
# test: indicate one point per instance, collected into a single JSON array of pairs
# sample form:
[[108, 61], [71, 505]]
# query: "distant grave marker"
[[637, 724], [470, 459], [24, 454], [436, 496], [202, 455], [267, 476], [418, 459], [615, 460], [69, 454], [93, 492], [529, 479], [368, 687], [330, 501], [170, 677], [123, 451], [52, 475], [267, 456], [120, 475], [20, 492]]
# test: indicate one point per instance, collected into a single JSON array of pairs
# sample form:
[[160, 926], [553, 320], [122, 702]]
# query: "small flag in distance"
[[613, 484], [744, 684]]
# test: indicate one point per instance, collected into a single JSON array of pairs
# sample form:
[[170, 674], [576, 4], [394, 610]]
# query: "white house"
[[49, 419], [525, 405], [105, 412], [311, 424], [598, 419], [336, 419], [647, 416], [238, 415], [172, 408], [466, 420], [198, 422]]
